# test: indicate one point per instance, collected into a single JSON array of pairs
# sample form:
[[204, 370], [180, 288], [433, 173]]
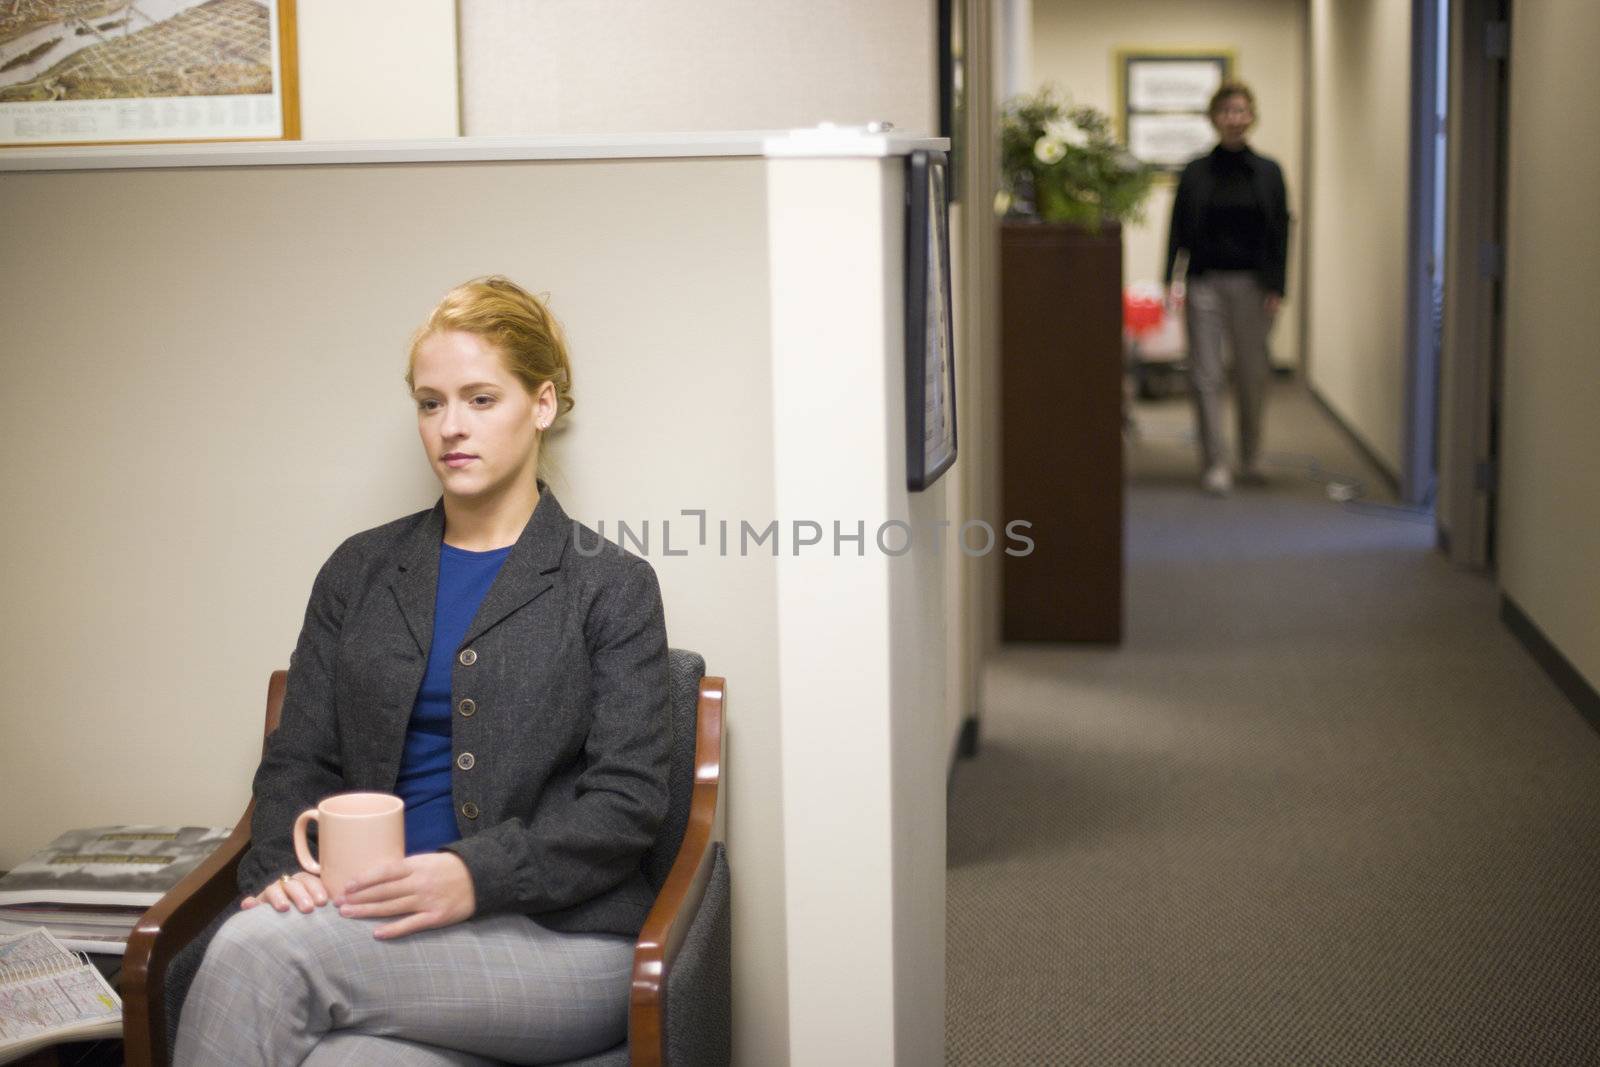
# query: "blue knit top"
[[424, 784]]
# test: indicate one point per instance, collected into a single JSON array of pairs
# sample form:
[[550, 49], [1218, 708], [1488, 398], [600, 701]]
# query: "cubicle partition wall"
[[202, 358]]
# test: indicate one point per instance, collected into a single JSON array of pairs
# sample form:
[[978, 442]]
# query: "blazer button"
[[470, 810], [465, 761], [468, 707], [468, 657]]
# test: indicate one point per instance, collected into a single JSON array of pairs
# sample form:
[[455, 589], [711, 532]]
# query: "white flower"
[[1075, 135], [1048, 150]]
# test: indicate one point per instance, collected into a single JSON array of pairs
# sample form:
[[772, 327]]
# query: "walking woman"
[[510, 686], [1231, 215]]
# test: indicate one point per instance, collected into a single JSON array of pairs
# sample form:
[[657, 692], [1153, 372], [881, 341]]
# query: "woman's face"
[[479, 426], [1233, 119]]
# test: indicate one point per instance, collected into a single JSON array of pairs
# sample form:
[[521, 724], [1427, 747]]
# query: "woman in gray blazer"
[[504, 671]]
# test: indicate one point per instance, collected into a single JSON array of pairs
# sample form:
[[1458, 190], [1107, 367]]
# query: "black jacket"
[[570, 733], [1194, 194]]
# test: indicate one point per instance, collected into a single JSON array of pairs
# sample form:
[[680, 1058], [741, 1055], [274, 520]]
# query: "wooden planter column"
[[1061, 430]]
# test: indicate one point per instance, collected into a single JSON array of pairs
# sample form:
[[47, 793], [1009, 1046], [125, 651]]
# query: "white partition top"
[[820, 142]]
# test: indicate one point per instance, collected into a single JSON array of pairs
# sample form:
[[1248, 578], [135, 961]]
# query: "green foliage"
[[1062, 163]]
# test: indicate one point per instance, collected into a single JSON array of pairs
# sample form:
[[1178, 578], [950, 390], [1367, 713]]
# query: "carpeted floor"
[[1319, 808]]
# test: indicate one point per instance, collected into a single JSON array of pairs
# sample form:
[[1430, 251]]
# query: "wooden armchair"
[[679, 1012]]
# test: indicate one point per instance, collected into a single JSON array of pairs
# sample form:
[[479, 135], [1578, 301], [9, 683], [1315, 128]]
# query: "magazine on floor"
[[50, 994]]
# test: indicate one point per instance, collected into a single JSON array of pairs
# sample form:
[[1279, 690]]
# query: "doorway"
[[1472, 328]]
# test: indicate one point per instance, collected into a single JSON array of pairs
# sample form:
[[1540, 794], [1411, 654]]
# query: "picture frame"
[[930, 323], [1163, 99], [81, 72]]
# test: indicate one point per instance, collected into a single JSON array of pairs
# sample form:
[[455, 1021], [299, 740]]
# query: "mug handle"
[[302, 850]]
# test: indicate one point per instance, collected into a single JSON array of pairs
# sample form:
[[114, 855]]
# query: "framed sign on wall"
[[930, 333], [1162, 100], [119, 71]]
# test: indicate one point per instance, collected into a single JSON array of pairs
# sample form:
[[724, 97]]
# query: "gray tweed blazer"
[[561, 729]]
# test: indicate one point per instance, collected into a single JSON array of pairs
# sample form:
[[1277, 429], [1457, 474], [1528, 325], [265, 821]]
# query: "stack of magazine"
[[89, 887]]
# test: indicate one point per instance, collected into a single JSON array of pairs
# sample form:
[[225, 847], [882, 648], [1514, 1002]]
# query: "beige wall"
[[1549, 530], [372, 69], [602, 66], [1356, 252], [1074, 46]]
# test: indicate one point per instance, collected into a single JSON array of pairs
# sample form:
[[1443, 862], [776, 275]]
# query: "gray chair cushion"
[[699, 1009], [684, 671]]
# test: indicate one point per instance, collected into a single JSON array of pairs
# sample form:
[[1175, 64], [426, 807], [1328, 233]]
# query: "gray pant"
[[1227, 303], [287, 988]]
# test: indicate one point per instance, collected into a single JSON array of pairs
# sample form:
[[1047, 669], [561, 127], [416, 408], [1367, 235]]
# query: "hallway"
[[1321, 807]]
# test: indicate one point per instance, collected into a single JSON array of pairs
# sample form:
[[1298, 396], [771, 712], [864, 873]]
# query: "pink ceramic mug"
[[355, 832]]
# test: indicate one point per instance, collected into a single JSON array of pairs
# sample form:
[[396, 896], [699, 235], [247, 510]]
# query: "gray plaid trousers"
[[281, 988]]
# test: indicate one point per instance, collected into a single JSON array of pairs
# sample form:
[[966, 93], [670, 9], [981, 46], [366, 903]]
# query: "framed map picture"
[[117, 71], [1163, 97]]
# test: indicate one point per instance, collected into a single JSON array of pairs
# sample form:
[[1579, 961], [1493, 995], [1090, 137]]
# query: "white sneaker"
[[1217, 480]]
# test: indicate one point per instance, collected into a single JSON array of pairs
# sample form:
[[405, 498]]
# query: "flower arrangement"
[[1061, 163]]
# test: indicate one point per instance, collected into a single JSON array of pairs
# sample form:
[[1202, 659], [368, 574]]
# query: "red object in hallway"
[[1142, 313]]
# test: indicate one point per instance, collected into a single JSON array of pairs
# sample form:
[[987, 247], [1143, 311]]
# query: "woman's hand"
[[302, 889], [430, 889], [1272, 303]]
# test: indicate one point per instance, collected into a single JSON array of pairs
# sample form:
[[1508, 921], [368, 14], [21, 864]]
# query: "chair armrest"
[[176, 919], [670, 918], [170, 924]]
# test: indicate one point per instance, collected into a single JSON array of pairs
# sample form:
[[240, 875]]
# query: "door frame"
[[1473, 327], [1419, 431]]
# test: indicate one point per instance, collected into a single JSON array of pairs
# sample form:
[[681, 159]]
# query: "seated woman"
[[509, 682]]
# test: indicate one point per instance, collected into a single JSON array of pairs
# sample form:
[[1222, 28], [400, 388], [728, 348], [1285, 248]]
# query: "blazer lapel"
[[415, 578], [527, 572]]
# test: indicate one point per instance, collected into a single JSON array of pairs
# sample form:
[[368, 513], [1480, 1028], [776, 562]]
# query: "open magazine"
[[50, 994]]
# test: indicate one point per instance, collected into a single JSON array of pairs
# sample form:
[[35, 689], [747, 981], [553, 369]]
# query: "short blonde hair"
[[512, 319], [1231, 87]]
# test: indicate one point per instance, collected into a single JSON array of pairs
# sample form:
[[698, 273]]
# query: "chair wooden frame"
[[178, 917]]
